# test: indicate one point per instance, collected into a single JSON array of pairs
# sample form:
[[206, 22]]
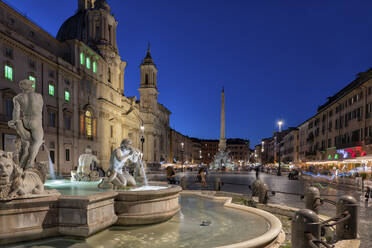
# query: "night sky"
[[276, 59]]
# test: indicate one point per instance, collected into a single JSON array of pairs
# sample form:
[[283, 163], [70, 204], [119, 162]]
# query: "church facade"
[[81, 77]]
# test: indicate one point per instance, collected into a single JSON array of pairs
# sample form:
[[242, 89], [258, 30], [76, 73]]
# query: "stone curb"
[[288, 212]]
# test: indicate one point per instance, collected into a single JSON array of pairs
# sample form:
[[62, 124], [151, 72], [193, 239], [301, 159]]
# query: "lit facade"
[[81, 77]]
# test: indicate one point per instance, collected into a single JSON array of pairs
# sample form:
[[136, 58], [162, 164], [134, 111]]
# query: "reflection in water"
[[225, 226]]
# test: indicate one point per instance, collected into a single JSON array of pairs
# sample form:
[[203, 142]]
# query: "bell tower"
[[148, 85], [85, 4]]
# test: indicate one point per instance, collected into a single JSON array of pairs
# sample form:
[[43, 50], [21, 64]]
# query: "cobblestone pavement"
[[238, 183]]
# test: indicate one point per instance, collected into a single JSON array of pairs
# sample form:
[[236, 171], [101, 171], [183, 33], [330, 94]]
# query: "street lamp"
[[142, 138], [182, 151], [280, 123]]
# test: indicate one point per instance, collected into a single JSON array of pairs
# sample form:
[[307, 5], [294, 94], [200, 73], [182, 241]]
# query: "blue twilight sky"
[[275, 58]]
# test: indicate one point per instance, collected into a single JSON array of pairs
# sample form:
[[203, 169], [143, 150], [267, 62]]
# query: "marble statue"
[[222, 160], [29, 125], [20, 176], [84, 172], [118, 176]]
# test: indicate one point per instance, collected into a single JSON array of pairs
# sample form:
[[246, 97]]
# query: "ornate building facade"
[[81, 77]]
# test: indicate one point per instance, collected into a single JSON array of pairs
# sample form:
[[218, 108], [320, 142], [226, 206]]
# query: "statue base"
[[29, 218], [93, 176]]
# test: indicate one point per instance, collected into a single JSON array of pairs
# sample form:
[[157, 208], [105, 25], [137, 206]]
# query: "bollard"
[[312, 199], [304, 221], [262, 193], [347, 229], [255, 186], [217, 184], [183, 183]]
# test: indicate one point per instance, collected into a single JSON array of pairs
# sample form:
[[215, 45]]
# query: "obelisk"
[[222, 143]]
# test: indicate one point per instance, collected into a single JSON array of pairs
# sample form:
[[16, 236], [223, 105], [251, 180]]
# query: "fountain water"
[[144, 174], [51, 165]]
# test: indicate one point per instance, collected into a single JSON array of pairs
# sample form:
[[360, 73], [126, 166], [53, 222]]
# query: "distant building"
[[181, 148], [290, 146], [258, 154], [342, 127]]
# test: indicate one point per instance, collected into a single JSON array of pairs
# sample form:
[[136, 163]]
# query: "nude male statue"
[[85, 161], [29, 127], [118, 177]]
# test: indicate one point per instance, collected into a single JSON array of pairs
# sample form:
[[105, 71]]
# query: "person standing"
[[203, 177]]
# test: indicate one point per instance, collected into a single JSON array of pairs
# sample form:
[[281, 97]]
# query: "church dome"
[[72, 28]]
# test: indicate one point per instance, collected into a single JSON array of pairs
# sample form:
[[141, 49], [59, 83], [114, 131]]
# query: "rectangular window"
[[82, 59], [82, 124], [67, 122], [88, 86], [9, 52], [51, 89], [94, 66], [8, 72], [88, 62], [33, 79], [31, 63], [52, 119], [9, 108], [67, 96], [67, 151]]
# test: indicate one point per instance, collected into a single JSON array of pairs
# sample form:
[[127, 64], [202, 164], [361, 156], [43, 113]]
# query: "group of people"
[[172, 178]]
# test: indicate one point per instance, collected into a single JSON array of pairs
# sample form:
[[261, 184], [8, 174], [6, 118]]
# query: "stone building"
[[238, 148], [290, 146], [268, 150], [239, 151], [81, 77], [181, 148], [258, 154], [342, 126]]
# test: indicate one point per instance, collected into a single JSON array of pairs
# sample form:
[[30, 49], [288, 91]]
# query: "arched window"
[[88, 124], [147, 78]]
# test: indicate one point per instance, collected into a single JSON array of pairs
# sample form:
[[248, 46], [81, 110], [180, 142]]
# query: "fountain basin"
[[29, 218], [140, 207], [205, 221], [84, 215]]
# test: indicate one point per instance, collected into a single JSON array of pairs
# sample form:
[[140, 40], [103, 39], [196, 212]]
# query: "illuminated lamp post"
[[280, 123], [182, 151]]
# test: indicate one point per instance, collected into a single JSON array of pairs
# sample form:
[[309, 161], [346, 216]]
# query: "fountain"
[[28, 211], [222, 159], [51, 165]]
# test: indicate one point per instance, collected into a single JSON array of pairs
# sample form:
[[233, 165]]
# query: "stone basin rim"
[[264, 240], [168, 189]]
